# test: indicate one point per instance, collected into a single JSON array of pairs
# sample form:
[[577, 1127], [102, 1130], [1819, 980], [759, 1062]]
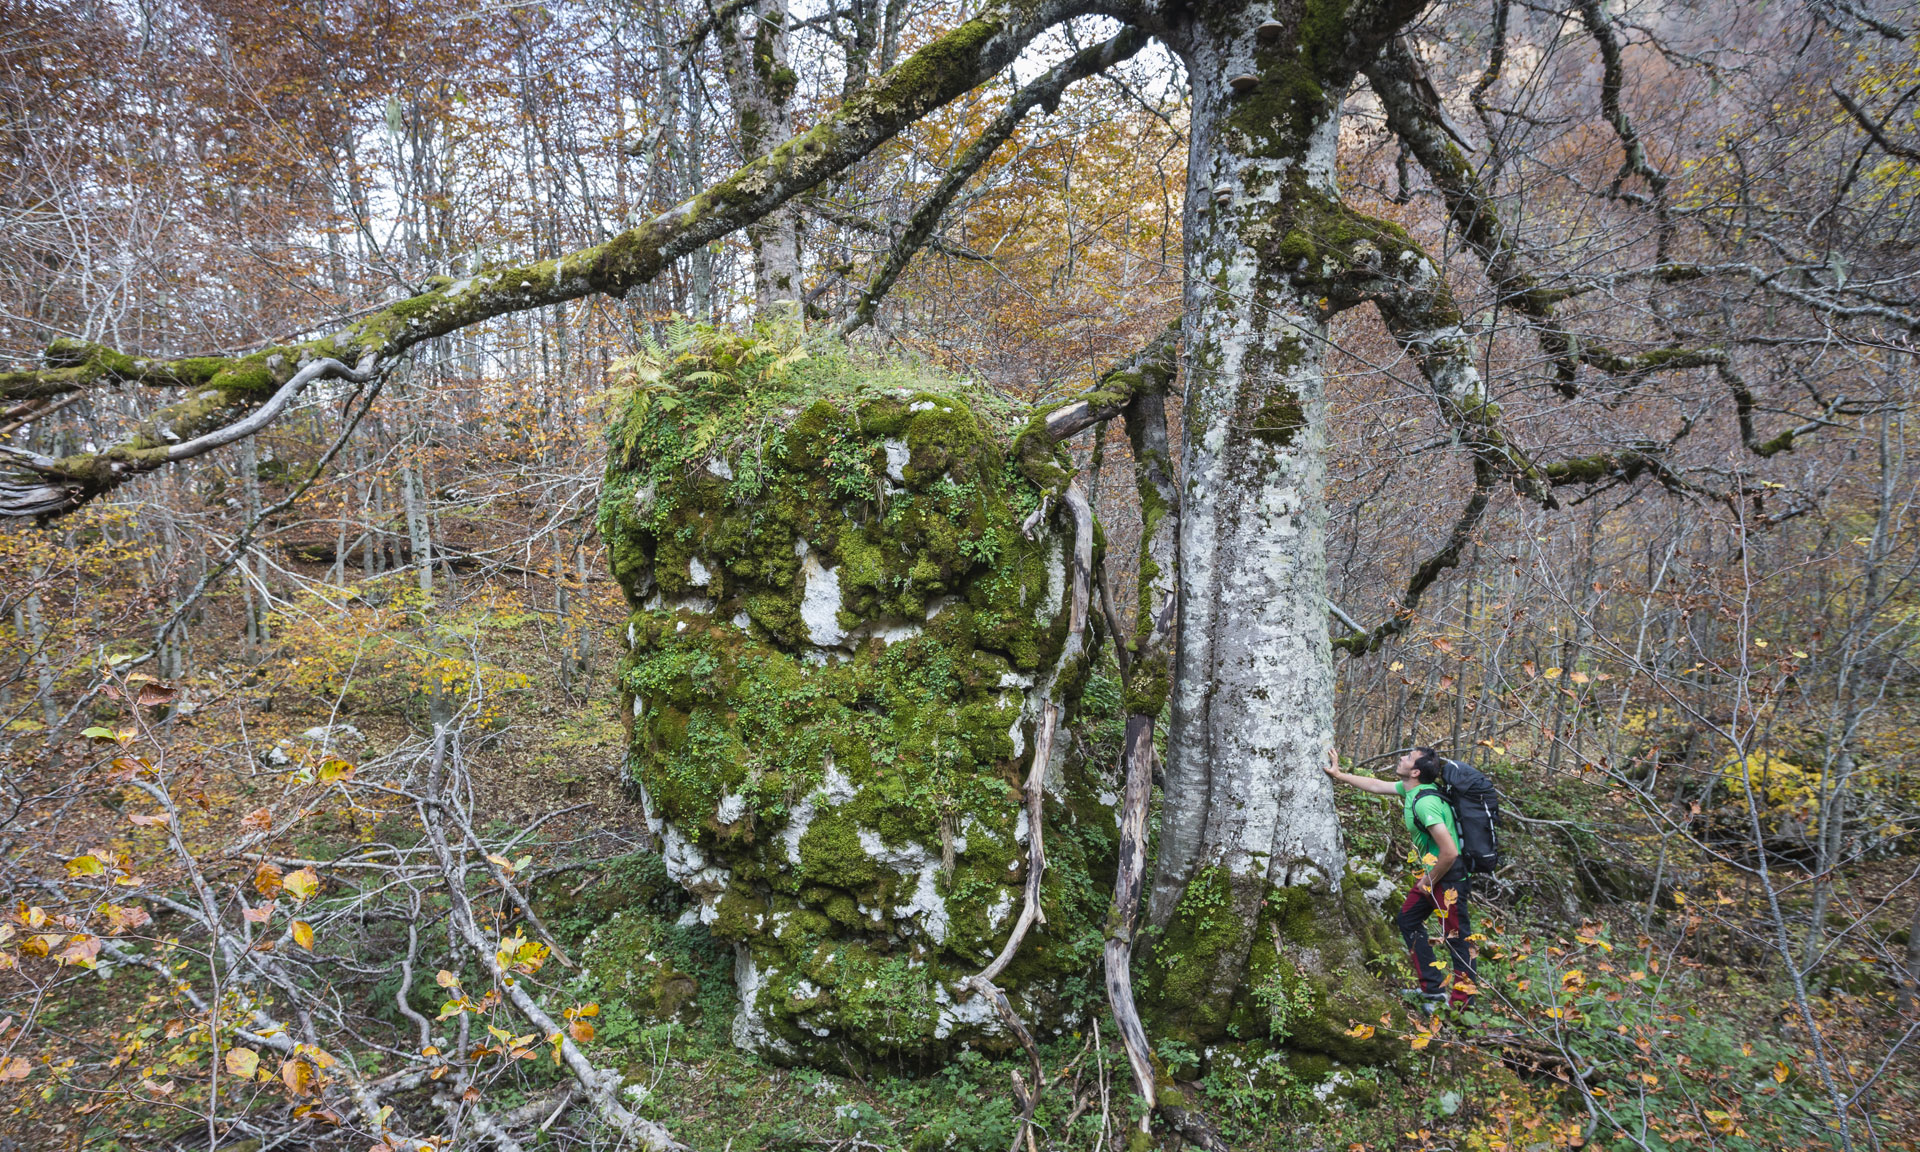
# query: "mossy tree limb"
[[1415, 117], [178, 432], [938, 73], [1146, 372]]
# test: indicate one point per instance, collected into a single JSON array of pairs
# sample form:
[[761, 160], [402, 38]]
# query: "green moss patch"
[[837, 629]]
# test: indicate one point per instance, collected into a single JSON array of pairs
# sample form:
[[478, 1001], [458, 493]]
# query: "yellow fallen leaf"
[[302, 883], [243, 1062]]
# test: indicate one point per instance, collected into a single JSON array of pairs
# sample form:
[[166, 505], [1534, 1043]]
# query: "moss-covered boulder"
[[838, 651]]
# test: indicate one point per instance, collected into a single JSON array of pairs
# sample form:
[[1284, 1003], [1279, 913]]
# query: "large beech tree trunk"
[[1250, 861]]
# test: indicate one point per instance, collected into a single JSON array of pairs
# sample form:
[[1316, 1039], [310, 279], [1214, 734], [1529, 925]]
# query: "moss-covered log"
[[839, 646]]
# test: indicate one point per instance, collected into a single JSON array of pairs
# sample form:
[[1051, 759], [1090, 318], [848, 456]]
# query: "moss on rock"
[[1308, 979], [838, 644]]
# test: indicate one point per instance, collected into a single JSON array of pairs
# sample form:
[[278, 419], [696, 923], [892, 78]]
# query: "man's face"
[[1404, 769]]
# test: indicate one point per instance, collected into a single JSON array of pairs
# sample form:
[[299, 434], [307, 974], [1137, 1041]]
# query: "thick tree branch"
[[1146, 371], [1352, 258], [1873, 127], [228, 387], [1415, 116]]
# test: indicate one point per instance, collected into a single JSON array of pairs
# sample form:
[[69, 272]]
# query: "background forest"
[[317, 828]]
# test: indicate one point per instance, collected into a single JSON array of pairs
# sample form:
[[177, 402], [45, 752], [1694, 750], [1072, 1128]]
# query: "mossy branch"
[[1146, 371], [1352, 258], [182, 431], [1415, 116], [938, 73]]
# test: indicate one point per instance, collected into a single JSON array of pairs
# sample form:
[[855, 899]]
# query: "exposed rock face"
[[839, 647]]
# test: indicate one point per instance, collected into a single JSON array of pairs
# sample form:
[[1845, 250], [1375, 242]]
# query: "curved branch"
[[1352, 258], [1359, 643], [1496, 63], [890, 230], [1046, 92], [1414, 115], [938, 73], [1612, 80]]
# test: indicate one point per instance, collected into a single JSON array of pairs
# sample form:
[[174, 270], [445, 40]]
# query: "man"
[[1443, 887]]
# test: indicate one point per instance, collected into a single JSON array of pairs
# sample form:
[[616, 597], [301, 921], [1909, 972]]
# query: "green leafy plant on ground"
[[1621, 1028]]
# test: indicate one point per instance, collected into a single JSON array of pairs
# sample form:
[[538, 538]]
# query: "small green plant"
[[1644, 1061]]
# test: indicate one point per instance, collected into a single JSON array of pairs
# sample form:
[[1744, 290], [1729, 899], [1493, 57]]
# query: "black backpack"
[[1476, 805]]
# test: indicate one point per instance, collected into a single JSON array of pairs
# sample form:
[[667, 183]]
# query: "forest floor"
[[1688, 1042]]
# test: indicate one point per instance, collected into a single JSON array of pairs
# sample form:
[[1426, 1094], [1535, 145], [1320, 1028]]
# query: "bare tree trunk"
[[1145, 666], [755, 55], [1853, 697], [412, 502], [36, 633], [1909, 984], [250, 487], [1250, 847]]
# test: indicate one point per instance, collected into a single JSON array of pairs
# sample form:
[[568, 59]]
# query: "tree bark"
[[754, 51], [1250, 855]]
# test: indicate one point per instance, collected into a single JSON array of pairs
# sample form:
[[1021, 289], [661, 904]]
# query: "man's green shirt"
[[1425, 808]]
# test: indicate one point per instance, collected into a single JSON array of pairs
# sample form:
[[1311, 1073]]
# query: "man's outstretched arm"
[[1364, 783]]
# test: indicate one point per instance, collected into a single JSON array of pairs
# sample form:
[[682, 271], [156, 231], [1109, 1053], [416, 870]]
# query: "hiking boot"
[[1428, 1002]]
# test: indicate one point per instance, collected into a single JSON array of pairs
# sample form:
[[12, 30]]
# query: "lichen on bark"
[[839, 643]]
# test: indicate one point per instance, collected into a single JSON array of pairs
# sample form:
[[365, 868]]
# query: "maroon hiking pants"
[[1449, 898]]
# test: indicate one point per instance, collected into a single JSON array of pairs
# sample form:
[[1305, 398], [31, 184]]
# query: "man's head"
[[1418, 766]]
